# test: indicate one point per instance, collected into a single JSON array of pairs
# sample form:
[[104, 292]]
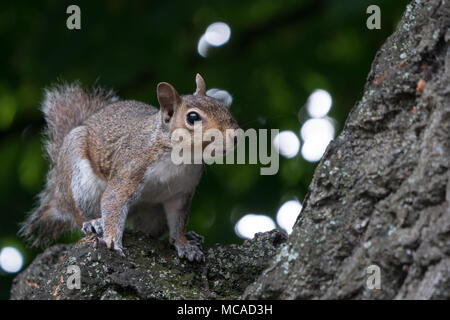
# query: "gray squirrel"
[[110, 160]]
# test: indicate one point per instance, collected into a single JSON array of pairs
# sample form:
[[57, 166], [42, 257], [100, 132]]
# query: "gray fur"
[[112, 158], [65, 106]]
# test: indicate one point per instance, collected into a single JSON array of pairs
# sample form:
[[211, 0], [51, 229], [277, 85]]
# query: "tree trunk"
[[380, 195]]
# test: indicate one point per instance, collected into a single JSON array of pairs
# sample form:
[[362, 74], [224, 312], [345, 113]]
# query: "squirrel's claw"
[[189, 251], [96, 243], [115, 248], [119, 251], [100, 243]]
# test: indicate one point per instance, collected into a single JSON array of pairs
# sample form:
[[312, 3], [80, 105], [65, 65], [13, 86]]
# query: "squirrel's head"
[[198, 111]]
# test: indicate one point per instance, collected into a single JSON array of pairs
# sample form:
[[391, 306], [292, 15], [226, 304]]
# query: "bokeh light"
[[217, 34], [221, 95], [288, 213], [250, 224], [316, 134], [11, 260], [203, 46], [314, 148], [287, 143], [317, 127], [319, 103]]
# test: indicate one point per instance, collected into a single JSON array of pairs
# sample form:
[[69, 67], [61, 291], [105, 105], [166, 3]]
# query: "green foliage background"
[[279, 52]]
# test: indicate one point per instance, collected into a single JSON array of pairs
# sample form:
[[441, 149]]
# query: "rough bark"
[[380, 196], [381, 193], [151, 270]]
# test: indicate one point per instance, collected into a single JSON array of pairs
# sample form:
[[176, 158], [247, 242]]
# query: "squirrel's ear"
[[169, 100], [201, 86]]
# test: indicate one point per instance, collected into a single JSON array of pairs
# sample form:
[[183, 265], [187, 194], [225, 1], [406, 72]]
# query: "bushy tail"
[[65, 107], [45, 223]]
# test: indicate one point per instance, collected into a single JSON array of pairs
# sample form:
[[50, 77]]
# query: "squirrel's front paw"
[[109, 244], [93, 226], [189, 250]]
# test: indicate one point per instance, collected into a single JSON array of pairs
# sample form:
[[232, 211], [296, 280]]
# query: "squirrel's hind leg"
[[93, 226], [82, 185]]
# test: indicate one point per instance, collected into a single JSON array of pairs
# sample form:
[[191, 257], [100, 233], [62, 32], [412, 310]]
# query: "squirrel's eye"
[[192, 117]]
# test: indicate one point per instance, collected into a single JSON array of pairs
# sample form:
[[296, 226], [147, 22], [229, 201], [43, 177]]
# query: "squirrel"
[[110, 160]]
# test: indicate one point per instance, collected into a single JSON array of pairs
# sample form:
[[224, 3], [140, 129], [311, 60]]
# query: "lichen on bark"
[[151, 270]]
